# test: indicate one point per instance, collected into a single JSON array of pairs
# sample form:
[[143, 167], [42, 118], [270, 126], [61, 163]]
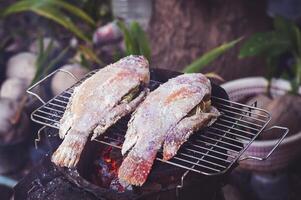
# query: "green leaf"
[[21, 6], [89, 54], [56, 60], [291, 30], [136, 41], [47, 50], [282, 24], [127, 37], [285, 26], [73, 10], [84, 63], [42, 58], [210, 56], [271, 43], [41, 51], [133, 34], [141, 39], [43, 55], [44, 68], [57, 16], [297, 41], [51, 10]]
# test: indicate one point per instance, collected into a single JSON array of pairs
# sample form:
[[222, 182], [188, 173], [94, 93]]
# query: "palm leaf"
[[271, 43], [136, 41], [46, 8], [282, 24], [127, 37], [41, 51], [41, 58], [44, 68], [89, 54], [21, 6], [297, 40], [28, 4], [285, 27], [142, 40], [133, 34], [210, 56], [57, 16], [46, 51], [72, 9], [56, 60]]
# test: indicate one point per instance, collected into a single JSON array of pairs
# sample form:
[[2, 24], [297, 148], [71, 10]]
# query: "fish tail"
[[68, 153], [134, 170]]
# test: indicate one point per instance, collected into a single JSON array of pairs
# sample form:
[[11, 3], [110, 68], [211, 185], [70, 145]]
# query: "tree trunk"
[[181, 31]]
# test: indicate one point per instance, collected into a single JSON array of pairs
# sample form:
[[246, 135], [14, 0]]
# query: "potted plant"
[[278, 92]]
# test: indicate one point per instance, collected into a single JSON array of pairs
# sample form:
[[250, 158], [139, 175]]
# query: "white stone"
[[8, 109], [14, 88], [22, 65], [61, 81]]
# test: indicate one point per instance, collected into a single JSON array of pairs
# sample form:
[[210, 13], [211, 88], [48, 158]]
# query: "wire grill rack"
[[211, 151]]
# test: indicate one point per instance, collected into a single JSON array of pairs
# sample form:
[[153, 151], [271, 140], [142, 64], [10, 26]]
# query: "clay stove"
[[96, 178]]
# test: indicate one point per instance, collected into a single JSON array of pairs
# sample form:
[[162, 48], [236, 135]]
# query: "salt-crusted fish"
[[96, 104], [167, 117]]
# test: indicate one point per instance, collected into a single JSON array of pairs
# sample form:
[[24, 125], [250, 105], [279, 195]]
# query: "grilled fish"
[[167, 117], [96, 104]]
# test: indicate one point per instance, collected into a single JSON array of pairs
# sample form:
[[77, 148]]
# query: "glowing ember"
[[105, 169]]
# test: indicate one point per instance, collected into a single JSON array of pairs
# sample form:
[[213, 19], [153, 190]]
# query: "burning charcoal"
[[116, 185], [115, 154], [106, 175], [106, 167]]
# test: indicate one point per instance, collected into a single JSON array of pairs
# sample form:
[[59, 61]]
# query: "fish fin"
[[66, 121], [65, 127], [214, 111], [130, 141], [183, 130], [68, 153], [118, 112], [131, 136]]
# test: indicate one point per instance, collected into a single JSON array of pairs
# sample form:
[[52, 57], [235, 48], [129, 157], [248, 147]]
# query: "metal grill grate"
[[210, 151]]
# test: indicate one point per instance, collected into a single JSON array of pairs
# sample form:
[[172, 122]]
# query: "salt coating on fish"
[[162, 119], [97, 104]]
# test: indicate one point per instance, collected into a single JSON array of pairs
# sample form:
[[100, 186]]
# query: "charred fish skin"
[[154, 123], [98, 103]]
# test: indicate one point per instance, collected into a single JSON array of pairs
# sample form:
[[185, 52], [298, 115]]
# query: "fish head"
[[136, 64]]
